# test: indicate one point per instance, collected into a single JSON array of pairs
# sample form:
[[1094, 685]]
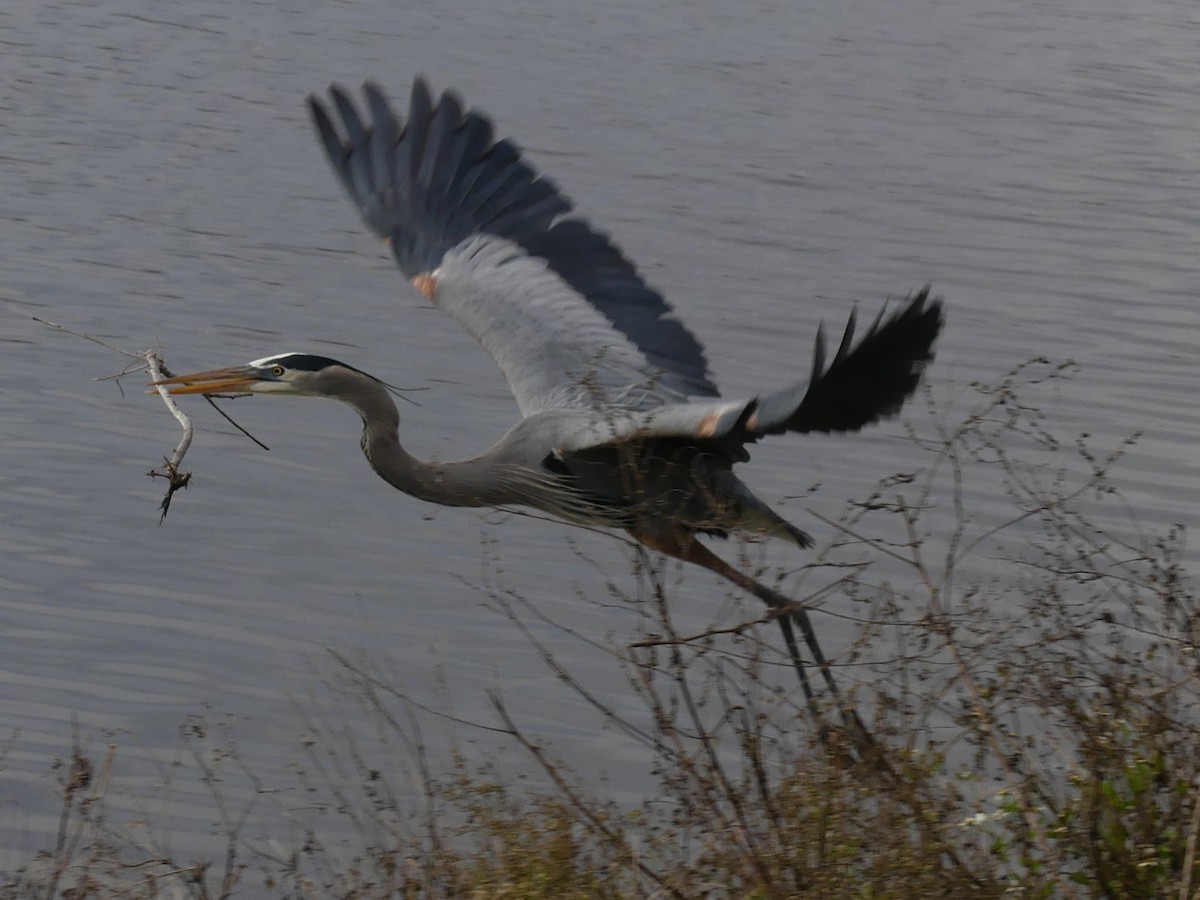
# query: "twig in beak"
[[175, 478]]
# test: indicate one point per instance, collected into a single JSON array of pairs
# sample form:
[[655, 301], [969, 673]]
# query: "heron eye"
[[277, 371]]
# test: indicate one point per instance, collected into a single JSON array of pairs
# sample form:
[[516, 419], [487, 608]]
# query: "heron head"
[[298, 374]]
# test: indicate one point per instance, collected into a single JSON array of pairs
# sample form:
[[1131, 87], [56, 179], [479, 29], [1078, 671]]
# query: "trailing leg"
[[683, 545]]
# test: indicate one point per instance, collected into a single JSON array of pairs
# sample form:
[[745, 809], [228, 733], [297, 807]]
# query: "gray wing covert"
[[462, 208], [554, 351]]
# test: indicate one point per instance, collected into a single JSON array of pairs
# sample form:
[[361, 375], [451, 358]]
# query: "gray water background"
[[768, 165]]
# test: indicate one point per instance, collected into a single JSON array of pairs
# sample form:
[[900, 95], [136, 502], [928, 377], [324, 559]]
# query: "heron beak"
[[234, 380]]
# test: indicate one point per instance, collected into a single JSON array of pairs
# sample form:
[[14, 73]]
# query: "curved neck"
[[469, 482]]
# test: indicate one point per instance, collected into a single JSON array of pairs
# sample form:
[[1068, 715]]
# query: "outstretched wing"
[[565, 316], [865, 382]]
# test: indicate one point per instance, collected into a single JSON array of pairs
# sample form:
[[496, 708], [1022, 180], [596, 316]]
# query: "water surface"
[[768, 166]]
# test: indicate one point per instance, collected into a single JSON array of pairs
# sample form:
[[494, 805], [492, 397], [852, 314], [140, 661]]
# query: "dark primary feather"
[[864, 382], [431, 182]]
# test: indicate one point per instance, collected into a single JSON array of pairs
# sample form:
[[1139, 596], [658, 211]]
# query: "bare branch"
[[89, 337], [175, 478]]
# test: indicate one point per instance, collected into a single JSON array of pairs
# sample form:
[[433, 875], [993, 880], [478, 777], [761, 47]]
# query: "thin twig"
[[175, 478], [771, 615], [374, 683], [89, 337], [736, 630]]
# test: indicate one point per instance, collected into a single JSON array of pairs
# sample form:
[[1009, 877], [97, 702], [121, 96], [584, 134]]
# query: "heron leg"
[[683, 545]]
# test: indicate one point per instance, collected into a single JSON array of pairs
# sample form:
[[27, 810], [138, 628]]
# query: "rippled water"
[[768, 167]]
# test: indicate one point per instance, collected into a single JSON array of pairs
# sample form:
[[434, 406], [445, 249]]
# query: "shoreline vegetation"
[[1030, 683]]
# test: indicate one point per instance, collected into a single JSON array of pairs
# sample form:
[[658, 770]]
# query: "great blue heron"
[[622, 424]]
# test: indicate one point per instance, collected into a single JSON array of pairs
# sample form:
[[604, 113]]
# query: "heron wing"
[[549, 297], [863, 383]]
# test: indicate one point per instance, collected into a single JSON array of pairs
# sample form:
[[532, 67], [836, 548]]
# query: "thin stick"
[[88, 337], [175, 478]]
